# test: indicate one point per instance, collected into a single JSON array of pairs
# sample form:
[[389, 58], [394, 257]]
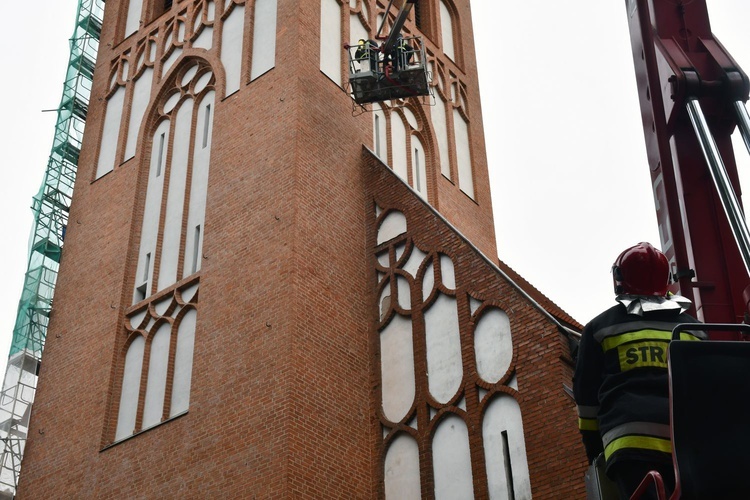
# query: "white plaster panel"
[[183, 364], [397, 368], [133, 22], [447, 272], [202, 82], [231, 47], [205, 39], [385, 301], [400, 249], [137, 319], [474, 304], [379, 133], [418, 167], [493, 345], [503, 414], [210, 11], [199, 186], [402, 479], [398, 142], [110, 133], [152, 209], [176, 53], [157, 377], [171, 102], [131, 387], [162, 305], [393, 225], [452, 460], [463, 154], [415, 261], [384, 259], [188, 76], [264, 37], [446, 24], [444, 364], [330, 39], [357, 30], [175, 196], [404, 293], [440, 126], [410, 118], [188, 293], [141, 97]]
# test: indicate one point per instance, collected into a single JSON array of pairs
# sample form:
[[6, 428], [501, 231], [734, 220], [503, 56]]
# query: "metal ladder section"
[[729, 200], [50, 207]]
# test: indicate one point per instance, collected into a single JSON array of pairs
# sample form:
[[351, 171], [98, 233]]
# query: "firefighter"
[[402, 54], [367, 55], [621, 383]]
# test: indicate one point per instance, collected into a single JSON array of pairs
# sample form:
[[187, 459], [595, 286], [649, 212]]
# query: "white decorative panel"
[[151, 213], [231, 48], [176, 53], [183, 364], [446, 23], [447, 272], [379, 133], [444, 364], [385, 301], [440, 127], [463, 154], [451, 460], [199, 186], [397, 368], [157, 377], [205, 39], [418, 168], [141, 97], [172, 233], [404, 293], [502, 430], [131, 385], [398, 143], [133, 22], [493, 345], [402, 469], [357, 30], [393, 225], [264, 37], [415, 261], [330, 39], [110, 133]]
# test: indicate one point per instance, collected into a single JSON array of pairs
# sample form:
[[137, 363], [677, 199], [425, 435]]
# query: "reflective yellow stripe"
[[617, 340], [640, 442], [588, 424], [642, 354]]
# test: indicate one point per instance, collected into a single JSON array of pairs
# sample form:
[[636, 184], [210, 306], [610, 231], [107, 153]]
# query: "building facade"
[[267, 292]]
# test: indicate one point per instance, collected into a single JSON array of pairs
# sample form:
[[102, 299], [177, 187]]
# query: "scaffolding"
[[50, 207]]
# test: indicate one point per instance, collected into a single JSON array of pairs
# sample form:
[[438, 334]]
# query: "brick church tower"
[[266, 292]]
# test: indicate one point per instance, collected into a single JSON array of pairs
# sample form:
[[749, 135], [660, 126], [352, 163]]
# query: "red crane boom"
[[692, 96]]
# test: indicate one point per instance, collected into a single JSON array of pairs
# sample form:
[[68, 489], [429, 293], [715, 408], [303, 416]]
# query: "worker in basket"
[[367, 55], [401, 55], [621, 383]]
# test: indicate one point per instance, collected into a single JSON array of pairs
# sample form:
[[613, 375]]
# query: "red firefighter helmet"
[[641, 270]]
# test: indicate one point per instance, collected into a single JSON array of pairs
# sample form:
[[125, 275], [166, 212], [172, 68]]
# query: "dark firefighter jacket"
[[621, 384]]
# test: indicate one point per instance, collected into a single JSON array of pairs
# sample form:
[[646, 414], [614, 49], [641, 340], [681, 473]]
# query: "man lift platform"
[[394, 70]]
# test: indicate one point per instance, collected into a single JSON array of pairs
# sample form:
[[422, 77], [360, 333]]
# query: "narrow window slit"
[[160, 158], [196, 248], [508, 467], [206, 124]]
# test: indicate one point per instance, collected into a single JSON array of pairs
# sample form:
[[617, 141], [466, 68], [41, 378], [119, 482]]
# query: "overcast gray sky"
[[570, 182]]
